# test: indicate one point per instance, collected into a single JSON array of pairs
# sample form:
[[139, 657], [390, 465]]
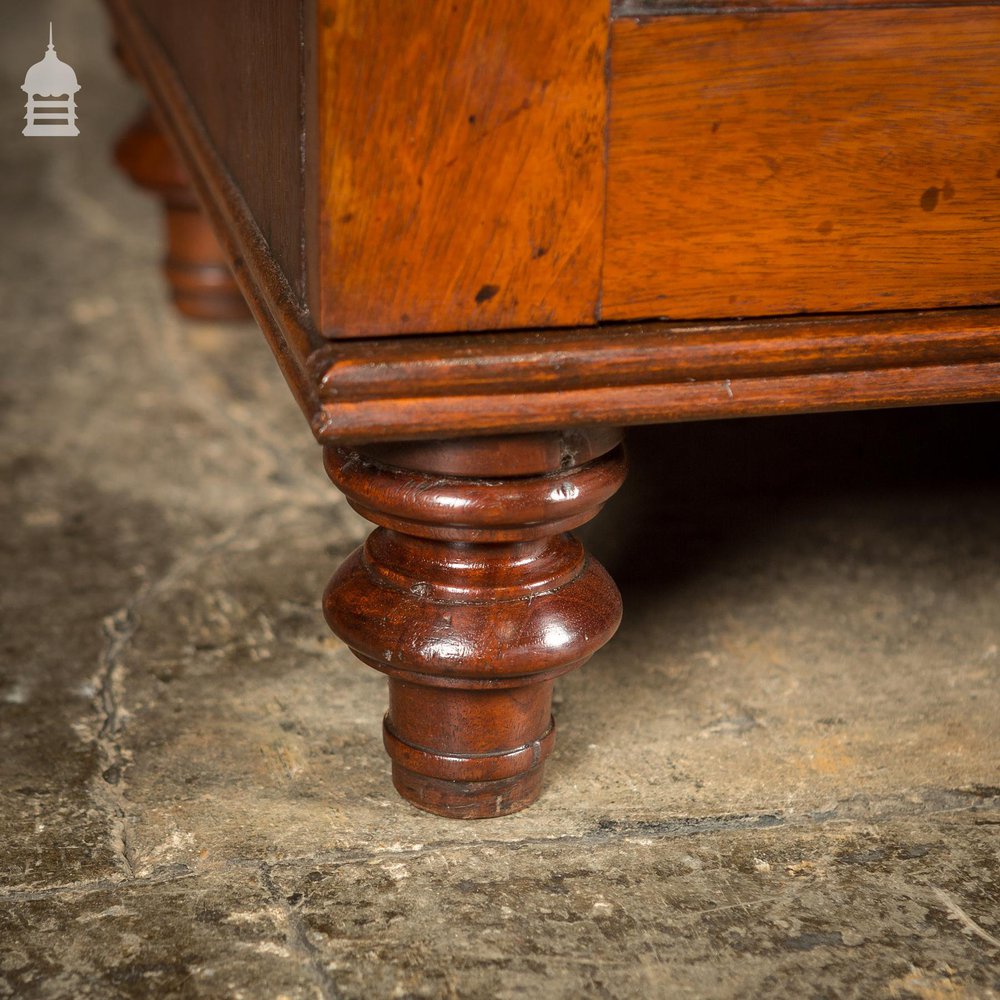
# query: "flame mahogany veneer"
[[433, 211]]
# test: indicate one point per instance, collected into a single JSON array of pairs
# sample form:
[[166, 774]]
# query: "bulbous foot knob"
[[472, 597]]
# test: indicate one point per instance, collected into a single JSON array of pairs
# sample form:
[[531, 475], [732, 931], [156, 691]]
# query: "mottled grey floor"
[[780, 780]]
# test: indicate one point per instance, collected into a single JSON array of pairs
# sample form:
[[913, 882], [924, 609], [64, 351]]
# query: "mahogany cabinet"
[[481, 236]]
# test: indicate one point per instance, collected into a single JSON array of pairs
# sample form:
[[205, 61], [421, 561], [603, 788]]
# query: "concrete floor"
[[779, 780]]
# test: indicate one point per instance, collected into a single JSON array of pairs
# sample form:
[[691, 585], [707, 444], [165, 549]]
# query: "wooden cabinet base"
[[435, 211], [200, 280], [472, 597]]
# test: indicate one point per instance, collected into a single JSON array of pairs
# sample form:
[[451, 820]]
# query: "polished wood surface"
[[472, 598], [491, 456], [197, 272], [818, 161], [459, 150]]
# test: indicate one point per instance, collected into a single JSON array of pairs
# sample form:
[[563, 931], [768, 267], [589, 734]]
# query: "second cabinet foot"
[[201, 283]]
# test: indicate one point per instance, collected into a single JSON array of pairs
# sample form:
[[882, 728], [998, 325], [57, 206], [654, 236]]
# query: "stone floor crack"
[[297, 937], [171, 873], [670, 828], [956, 913], [119, 627]]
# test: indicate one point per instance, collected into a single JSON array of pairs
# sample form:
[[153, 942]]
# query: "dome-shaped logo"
[[51, 88]]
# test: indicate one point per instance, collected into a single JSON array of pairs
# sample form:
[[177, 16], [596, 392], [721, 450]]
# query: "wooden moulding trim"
[[432, 417], [649, 373], [271, 300]]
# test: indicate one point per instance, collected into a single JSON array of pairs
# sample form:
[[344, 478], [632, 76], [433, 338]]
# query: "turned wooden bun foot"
[[472, 597], [201, 283]]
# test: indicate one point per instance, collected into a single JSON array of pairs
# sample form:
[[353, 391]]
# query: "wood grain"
[[653, 372], [460, 157], [815, 161]]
